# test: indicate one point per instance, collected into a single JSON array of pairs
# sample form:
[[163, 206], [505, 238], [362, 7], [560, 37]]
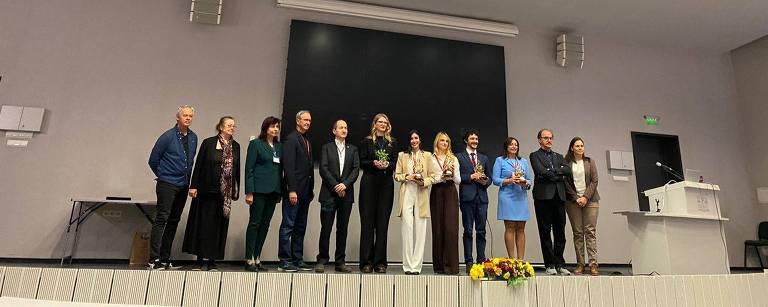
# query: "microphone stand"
[[672, 172]]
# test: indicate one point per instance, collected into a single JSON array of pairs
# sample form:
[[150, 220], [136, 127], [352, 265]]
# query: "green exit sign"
[[651, 120]]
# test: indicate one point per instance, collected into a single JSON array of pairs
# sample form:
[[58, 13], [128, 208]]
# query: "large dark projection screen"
[[422, 83]]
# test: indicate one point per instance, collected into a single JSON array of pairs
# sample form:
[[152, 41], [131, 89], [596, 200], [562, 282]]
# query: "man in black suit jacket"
[[473, 196], [550, 172], [339, 168], [298, 169]]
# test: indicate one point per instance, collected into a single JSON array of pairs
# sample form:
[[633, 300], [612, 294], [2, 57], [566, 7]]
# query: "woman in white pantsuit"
[[415, 172]]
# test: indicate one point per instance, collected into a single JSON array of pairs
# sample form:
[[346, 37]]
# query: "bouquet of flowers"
[[514, 271]]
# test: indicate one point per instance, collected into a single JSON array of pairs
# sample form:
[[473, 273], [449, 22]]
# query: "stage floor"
[[110, 283]]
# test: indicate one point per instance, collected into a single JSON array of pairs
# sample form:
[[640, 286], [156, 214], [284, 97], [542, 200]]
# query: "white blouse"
[[440, 164], [579, 179]]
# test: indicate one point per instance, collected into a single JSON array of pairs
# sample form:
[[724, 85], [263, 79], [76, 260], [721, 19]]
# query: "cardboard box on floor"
[[139, 250]]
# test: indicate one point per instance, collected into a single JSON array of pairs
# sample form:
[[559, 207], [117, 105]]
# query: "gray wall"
[[111, 73], [750, 65]]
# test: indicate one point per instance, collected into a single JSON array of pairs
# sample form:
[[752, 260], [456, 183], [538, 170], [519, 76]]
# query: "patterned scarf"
[[226, 175]]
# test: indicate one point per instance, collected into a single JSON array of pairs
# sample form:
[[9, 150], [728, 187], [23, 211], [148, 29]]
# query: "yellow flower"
[[497, 271], [506, 275], [529, 268], [495, 261], [476, 272]]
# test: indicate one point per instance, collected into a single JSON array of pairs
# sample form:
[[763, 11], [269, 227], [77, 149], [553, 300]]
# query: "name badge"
[[276, 159]]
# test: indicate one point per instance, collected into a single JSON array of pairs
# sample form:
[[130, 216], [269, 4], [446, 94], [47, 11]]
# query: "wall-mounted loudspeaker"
[[206, 11], [570, 50]]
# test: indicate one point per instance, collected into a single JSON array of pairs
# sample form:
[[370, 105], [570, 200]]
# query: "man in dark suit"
[[549, 192], [473, 196], [298, 170], [339, 168]]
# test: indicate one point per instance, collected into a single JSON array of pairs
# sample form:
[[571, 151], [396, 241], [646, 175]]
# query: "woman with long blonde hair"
[[444, 206], [378, 154]]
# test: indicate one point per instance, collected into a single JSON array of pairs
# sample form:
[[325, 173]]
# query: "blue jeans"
[[473, 217], [292, 230]]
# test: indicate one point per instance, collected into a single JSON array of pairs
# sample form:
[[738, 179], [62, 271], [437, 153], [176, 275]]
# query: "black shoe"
[[367, 269], [304, 267], [343, 269], [170, 266], [381, 269], [468, 267], [155, 265], [287, 268], [212, 266], [319, 268]]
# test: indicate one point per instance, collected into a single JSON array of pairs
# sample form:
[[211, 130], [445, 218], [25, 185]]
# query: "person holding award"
[[377, 159], [514, 176], [473, 196], [444, 207], [415, 172], [582, 205]]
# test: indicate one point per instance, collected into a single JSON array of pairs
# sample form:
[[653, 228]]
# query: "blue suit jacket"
[[298, 167], [468, 189]]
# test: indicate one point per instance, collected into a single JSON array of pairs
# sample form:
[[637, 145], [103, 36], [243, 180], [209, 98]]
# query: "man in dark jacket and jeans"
[[171, 160]]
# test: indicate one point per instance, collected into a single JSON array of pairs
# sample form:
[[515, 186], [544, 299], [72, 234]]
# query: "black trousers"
[[330, 210], [170, 204], [550, 219], [376, 196]]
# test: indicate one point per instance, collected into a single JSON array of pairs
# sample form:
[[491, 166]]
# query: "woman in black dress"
[[215, 185], [378, 156]]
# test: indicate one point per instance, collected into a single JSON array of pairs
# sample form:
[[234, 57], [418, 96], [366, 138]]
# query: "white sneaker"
[[564, 271], [551, 271]]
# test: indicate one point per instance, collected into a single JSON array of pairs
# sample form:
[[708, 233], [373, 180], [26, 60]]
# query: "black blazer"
[[206, 177], [468, 189], [549, 178], [297, 165], [329, 171]]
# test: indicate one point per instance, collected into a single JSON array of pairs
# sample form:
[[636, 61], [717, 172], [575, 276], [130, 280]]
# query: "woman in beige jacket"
[[415, 173], [582, 205]]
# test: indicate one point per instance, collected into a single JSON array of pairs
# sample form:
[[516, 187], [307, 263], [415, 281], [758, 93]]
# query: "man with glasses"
[[550, 172]]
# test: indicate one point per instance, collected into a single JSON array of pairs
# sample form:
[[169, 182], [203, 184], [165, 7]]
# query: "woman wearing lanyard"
[[415, 172], [444, 207], [582, 205], [514, 176], [215, 184], [377, 159], [263, 184]]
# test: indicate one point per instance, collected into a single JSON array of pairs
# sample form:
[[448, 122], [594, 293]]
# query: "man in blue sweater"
[[171, 160]]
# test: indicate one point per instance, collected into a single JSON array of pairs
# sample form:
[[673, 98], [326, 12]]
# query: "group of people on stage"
[[433, 187]]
